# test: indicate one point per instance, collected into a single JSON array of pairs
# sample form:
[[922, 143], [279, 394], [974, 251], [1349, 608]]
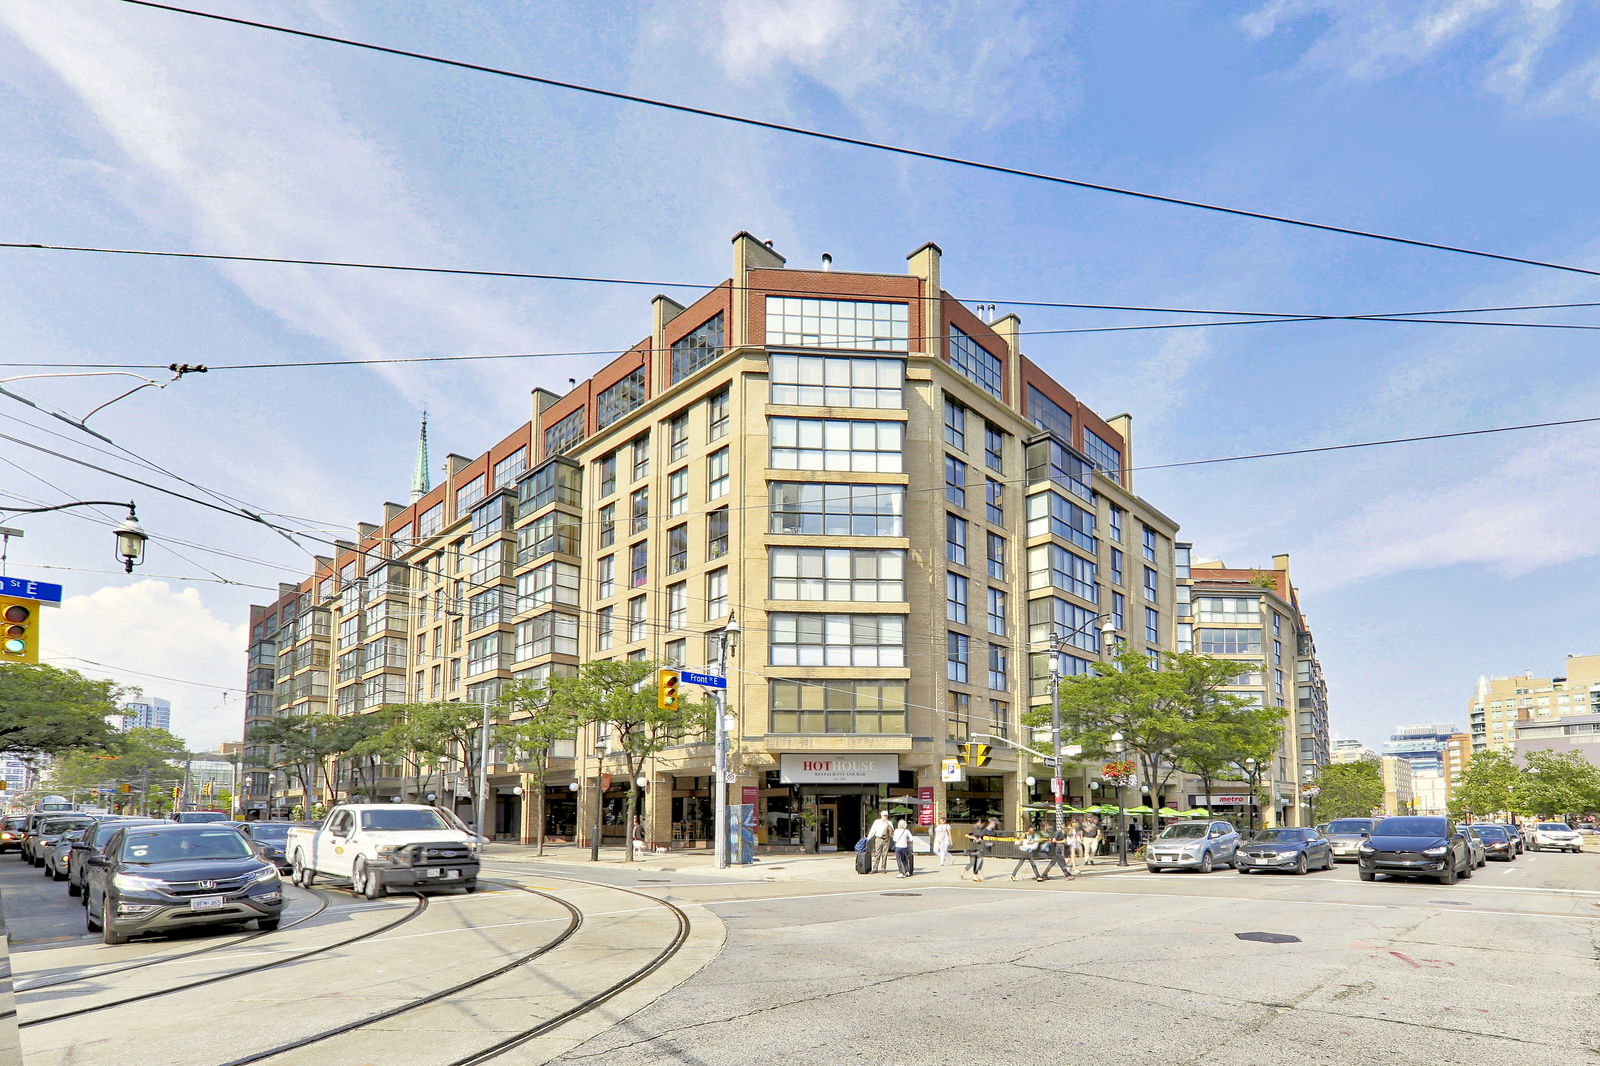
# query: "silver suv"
[[1193, 846]]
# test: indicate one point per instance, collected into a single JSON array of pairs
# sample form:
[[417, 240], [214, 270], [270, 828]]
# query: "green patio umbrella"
[[901, 810], [1196, 812], [1141, 809], [1168, 812]]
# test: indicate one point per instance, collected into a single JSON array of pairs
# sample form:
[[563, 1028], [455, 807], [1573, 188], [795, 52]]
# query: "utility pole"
[[483, 772], [720, 774], [183, 804]]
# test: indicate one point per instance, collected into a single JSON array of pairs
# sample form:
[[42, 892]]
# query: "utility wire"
[[876, 146]]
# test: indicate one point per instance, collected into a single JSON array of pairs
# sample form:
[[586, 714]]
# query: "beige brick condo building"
[[901, 510]]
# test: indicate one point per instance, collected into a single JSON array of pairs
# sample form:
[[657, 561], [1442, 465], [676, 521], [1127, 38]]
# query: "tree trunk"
[[538, 829]]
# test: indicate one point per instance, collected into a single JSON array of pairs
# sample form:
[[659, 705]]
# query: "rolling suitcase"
[[864, 860]]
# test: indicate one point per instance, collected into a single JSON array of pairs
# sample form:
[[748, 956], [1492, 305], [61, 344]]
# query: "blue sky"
[[1470, 122]]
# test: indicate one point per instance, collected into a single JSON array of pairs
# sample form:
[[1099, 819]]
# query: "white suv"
[[1556, 835]]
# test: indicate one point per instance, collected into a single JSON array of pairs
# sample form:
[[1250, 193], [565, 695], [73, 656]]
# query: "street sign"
[[729, 776], [950, 771], [24, 589], [689, 677]]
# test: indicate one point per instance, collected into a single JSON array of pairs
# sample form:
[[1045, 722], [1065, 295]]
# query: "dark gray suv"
[[157, 878]]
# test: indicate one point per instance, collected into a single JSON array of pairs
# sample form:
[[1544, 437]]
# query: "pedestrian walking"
[[941, 840], [636, 835], [979, 835], [1058, 851], [1029, 846], [902, 849], [880, 833]]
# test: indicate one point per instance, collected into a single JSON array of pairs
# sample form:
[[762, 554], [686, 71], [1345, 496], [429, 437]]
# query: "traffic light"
[[667, 697], [208, 787], [176, 792], [125, 787], [19, 630], [975, 754]]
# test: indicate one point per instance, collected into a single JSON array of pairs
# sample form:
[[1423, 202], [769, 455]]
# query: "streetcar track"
[[574, 922], [516, 1040], [422, 905], [155, 958]]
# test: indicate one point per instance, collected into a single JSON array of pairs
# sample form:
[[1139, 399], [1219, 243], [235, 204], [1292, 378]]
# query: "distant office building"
[[1573, 732], [16, 773], [1423, 746], [1352, 751], [1397, 794], [1457, 754], [1501, 704], [149, 713]]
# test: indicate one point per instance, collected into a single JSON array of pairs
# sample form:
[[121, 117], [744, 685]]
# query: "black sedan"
[[158, 878], [1497, 843], [270, 838], [1416, 846], [93, 839], [1286, 850]]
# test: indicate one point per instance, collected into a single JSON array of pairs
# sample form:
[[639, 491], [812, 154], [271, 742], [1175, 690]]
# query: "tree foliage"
[[51, 711], [1349, 789], [142, 753], [619, 693], [304, 746], [1161, 713], [1556, 785], [537, 725], [1487, 787]]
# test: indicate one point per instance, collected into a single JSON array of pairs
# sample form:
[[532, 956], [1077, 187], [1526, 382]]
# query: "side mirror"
[[98, 860]]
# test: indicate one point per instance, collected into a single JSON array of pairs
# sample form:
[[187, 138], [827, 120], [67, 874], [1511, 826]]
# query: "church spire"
[[420, 483]]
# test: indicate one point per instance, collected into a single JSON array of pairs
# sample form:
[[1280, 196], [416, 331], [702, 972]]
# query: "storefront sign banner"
[[925, 810], [839, 769], [950, 772], [750, 794], [1230, 799]]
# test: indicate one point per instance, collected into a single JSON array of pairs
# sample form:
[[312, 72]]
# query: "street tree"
[[440, 733], [537, 724], [1488, 786], [1557, 784], [145, 756], [51, 711], [1218, 744], [621, 693], [305, 746], [1349, 789], [1156, 710], [394, 740]]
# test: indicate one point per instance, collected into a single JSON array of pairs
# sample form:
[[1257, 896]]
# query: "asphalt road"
[[829, 967]]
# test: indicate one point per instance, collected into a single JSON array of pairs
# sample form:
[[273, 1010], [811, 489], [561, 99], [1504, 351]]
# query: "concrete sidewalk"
[[830, 866]]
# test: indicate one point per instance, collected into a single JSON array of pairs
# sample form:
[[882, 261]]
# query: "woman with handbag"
[[902, 849], [1029, 846]]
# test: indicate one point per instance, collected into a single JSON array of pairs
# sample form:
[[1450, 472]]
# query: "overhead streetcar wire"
[[876, 146]]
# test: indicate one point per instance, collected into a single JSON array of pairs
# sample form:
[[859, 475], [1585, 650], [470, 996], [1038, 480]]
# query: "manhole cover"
[[899, 893], [1269, 938]]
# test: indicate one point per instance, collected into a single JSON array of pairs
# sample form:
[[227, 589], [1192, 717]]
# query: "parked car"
[[47, 831], [93, 839], [1193, 845], [1346, 834], [273, 840], [379, 846], [1515, 833], [11, 832], [1415, 846], [1497, 842], [1558, 836], [1289, 849], [157, 878], [1480, 854]]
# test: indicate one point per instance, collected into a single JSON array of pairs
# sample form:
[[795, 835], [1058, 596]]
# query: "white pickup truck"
[[379, 846]]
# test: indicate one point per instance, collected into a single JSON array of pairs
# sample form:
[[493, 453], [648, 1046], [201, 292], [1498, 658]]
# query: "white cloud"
[[153, 628], [1512, 42], [968, 62]]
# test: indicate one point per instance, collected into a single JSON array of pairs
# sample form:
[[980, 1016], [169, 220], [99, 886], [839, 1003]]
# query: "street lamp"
[[130, 534], [1250, 767], [1058, 784], [599, 800], [1122, 812], [727, 646]]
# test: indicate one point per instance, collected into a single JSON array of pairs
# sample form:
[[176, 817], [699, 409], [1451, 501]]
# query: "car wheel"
[[1368, 875], [267, 925], [471, 886], [1533, 847], [1483, 860], [1242, 869], [1328, 865], [73, 889], [1205, 863], [1152, 869], [1466, 875], [365, 882], [1448, 875], [1300, 864], [90, 922], [107, 933]]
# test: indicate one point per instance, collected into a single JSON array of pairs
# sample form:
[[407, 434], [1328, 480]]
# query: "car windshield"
[[1556, 827], [152, 846], [1186, 831], [61, 825], [1279, 836], [203, 816], [1349, 825], [1490, 832], [403, 819], [1412, 827]]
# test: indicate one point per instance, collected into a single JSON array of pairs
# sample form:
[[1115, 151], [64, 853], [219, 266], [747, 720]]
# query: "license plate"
[[206, 903]]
